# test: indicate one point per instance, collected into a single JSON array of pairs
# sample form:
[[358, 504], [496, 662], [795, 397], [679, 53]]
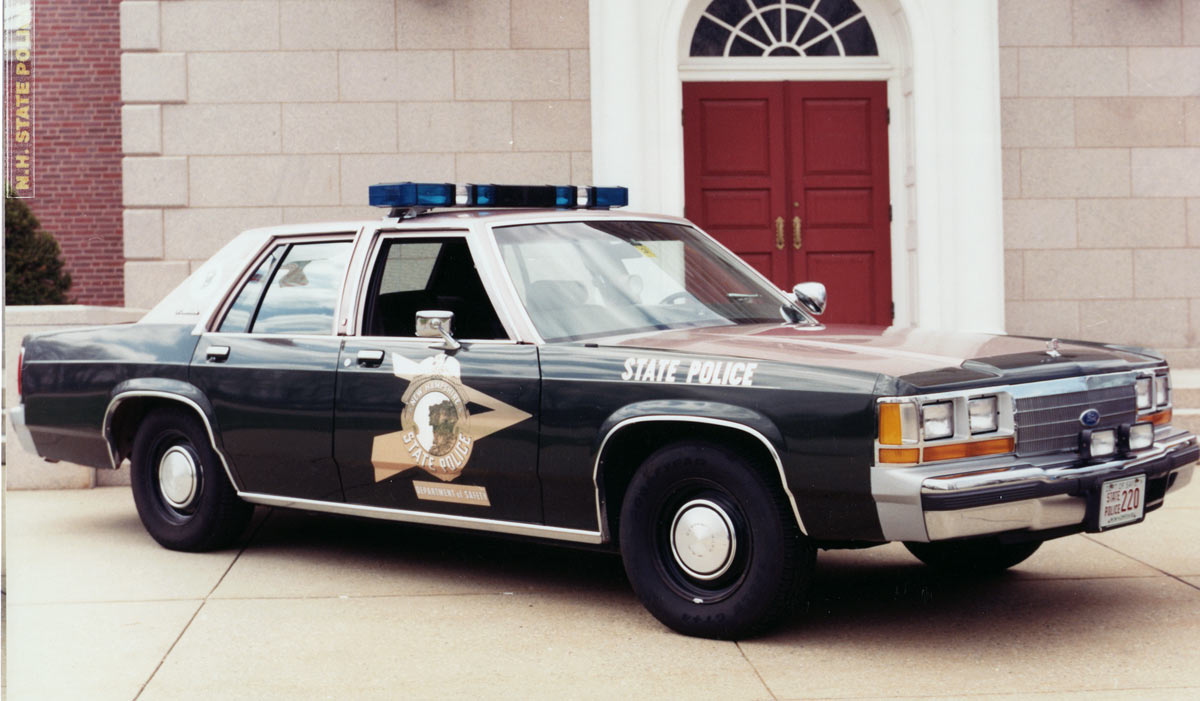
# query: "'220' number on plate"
[[1122, 501]]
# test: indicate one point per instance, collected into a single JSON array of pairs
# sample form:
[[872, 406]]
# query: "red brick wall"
[[77, 137]]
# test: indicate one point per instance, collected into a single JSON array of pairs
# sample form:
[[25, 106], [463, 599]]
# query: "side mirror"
[[811, 295], [437, 324]]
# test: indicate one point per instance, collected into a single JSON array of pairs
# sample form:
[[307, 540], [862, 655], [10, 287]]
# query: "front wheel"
[[710, 547], [182, 493], [973, 557]]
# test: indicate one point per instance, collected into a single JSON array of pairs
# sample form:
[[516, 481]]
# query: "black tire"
[[982, 556], [766, 571], [211, 516]]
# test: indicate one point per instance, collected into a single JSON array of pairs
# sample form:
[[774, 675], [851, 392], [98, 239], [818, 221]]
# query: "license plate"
[[1122, 501]]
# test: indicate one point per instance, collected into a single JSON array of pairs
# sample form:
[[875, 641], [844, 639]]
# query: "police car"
[[529, 361]]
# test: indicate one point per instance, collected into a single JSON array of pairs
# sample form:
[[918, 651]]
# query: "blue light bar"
[[412, 195], [605, 197]]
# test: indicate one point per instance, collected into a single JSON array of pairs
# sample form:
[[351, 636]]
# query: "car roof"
[[457, 217], [189, 302]]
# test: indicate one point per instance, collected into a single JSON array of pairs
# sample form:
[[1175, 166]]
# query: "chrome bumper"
[[995, 496], [16, 419]]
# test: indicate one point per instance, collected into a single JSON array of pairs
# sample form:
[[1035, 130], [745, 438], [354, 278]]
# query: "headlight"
[[984, 413], [938, 420], [1144, 399], [1161, 393]]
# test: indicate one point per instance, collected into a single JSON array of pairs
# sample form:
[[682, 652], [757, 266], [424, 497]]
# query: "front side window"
[[301, 283], [586, 279], [428, 274]]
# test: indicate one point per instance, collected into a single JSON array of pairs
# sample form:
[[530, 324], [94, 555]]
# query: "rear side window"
[[237, 319], [303, 292], [301, 283]]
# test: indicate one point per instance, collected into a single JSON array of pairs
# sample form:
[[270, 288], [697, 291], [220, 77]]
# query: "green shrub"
[[33, 268]]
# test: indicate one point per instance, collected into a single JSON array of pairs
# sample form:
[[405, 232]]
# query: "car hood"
[[917, 357]]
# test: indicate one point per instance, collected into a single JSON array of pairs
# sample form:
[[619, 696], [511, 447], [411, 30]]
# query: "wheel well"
[[128, 416], [628, 449]]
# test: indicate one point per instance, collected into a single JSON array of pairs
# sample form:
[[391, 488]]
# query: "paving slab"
[[492, 646], [1186, 497], [316, 606], [1168, 540], [1173, 694], [964, 637], [88, 545], [1072, 557], [93, 651]]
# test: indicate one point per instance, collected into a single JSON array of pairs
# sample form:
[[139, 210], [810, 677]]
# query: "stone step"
[[1181, 357], [1188, 419], [1185, 388]]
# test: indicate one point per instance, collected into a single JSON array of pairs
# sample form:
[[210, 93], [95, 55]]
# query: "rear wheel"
[[182, 493], [968, 557], [710, 547]]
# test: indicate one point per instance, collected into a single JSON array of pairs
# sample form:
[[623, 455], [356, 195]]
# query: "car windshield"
[[586, 279]]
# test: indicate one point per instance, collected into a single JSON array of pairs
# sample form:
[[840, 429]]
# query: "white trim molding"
[[940, 59]]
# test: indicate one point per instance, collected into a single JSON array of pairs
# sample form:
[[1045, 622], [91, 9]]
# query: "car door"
[[423, 428], [269, 367]]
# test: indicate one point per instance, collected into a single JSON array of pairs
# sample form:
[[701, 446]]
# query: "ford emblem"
[[1090, 418]]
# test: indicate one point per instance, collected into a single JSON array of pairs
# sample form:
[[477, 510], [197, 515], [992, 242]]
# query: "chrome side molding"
[[425, 518]]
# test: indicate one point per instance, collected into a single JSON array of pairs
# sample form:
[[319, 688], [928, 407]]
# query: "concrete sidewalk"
[[317, 607]]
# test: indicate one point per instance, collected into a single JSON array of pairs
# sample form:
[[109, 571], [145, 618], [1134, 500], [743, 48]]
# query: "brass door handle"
[[779, 233], [797, 239]]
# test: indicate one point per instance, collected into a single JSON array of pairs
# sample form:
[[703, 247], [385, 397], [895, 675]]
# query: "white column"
[[960, 251]]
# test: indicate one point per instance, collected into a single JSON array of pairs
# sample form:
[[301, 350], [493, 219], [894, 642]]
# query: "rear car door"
[[269, 367], [422, 428]]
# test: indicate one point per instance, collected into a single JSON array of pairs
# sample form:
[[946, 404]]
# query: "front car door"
[[423, 428]]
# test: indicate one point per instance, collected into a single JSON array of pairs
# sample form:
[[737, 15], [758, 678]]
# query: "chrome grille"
[[1050, 423]]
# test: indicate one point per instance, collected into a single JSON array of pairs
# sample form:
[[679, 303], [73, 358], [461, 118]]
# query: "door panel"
[[781, 172], [843, 274], [735, 173], [455, 433], [750, 152], [273, 400], [837, 135], [838, 187]]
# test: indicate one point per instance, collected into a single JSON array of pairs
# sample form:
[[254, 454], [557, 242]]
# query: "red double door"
[[793, 177]]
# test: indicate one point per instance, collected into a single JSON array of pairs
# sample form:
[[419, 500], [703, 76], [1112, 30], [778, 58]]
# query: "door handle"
[[370, 358], [797, 239], [217, 354], [779, 233]]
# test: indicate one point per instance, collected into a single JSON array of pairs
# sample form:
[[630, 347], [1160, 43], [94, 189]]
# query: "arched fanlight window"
[[783, 28]]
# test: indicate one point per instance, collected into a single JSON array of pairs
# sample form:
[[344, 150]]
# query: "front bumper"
[[1020, 499]]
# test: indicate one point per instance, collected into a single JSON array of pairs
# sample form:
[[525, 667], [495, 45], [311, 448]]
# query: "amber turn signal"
[[1160, 418], [995, 446], [899, 455], [890, 430]]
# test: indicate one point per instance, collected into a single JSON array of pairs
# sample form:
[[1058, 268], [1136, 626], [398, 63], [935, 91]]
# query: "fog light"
[[1100, 443], [1140, 436]]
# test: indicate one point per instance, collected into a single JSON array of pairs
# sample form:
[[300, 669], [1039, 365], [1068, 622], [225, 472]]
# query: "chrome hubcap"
[[177, 477], [703, 540]]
